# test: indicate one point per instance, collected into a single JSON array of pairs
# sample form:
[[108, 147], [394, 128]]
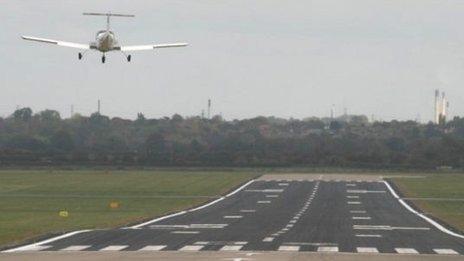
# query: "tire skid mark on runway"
[[296, 217]]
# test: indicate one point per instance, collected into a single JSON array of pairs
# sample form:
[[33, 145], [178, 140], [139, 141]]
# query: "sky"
[[292, 58]]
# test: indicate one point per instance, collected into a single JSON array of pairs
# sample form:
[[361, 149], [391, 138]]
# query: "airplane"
[[105, 41]]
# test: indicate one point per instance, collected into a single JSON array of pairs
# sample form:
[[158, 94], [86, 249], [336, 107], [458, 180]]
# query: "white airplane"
[[105, 41]]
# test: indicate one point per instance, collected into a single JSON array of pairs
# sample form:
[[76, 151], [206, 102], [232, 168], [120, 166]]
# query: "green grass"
[[444, 186], [30, 201]]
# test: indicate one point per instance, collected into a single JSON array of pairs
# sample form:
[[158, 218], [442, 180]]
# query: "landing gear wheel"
[[129, 58], [103, 59], [80, 56]]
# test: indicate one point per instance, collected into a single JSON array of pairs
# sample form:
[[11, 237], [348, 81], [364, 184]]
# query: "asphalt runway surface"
[[324, 216]]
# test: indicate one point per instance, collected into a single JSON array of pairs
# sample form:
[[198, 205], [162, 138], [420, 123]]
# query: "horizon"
[[251, 58]]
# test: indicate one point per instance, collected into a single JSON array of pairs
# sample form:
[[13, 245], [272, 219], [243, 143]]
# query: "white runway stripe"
[[264, 202], [272, 196], [406, 251], [152, 248], [33, 248], [185, 232], [268, 239], [361, 218], [327, 249], [247, 210], [289, 248], [357, 211], [75, 248], [231, 248], [368, 235], [114, 248], [367, 250], [191, 248], [442, 251], [232, 217], [354, 202]]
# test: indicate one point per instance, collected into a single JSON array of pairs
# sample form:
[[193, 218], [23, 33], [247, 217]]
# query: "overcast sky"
[[251, 57]]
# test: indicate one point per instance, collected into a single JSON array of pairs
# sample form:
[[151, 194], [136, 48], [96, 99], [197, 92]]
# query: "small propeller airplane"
[[105, 41]]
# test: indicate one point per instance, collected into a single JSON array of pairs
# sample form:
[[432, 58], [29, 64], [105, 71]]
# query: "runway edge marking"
[[21, 248], [25, 247], [194, 209], [431, 221]]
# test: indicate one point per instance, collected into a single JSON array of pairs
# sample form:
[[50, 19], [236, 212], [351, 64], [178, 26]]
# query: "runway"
[[324, 216]]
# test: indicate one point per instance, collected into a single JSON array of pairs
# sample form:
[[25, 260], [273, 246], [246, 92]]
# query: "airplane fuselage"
[[105, 41]]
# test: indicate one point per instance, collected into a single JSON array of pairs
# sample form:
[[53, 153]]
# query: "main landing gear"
[[80, 56], [129, 58], [103, 59]]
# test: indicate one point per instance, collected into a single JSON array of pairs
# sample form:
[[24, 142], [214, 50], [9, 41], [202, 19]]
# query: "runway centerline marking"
[[194, 226], [357, 211], [247, 210], [264, 202], [232, 217], [361, 218], [354, 202], [272, 196]]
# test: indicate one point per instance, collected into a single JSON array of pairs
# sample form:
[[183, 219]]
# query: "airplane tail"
[[108, 15]]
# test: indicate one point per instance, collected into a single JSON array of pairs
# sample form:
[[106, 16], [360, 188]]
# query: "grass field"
[[30, 201], [446, 190]]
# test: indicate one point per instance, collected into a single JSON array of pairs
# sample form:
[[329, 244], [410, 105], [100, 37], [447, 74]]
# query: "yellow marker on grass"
[[114, 205], [63, 213]]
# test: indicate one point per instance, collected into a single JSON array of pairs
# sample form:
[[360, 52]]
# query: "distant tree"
[[23, 114]]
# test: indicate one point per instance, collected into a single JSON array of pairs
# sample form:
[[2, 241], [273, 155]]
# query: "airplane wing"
[[60, 43], [151, 47]]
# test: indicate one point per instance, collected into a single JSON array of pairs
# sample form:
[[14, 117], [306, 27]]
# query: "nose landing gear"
[[129, 58], [80, 56], [103, 59]]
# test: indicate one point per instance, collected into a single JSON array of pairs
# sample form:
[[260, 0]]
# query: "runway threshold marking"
[[231, 248], [191, 248], [289, 248], [327, 249], [367, 250], [268, 239], [75, 248], [153, 248], [114, 248], [442, 251], [406, 251]]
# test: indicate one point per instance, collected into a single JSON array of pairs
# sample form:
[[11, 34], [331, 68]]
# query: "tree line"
[[44, 138]]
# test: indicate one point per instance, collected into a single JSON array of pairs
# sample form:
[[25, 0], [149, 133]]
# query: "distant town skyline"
[[251, 58]]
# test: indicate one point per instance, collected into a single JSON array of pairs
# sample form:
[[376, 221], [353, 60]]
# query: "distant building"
[[441, 107]]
